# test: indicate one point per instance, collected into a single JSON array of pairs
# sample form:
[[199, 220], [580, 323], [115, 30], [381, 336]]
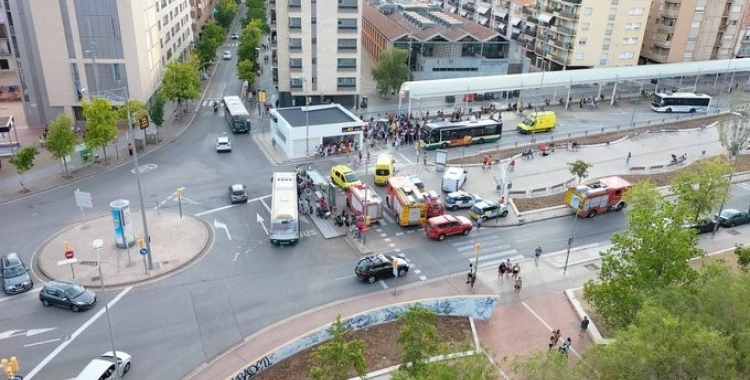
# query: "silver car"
[[223, 144], [237, 193], [460, 199], [227, 55]]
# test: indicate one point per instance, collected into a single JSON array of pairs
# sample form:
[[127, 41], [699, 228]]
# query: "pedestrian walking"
[[501, 269], [424, 159], [479, 223], [566, 346], [537, 255], [130, 149], [627, 160], [584, 325], [508, 267], [472, 281], [556, 334], [517, 286], [471, 272], [552, 341], [516, 270], [512, 165], [489, 162]]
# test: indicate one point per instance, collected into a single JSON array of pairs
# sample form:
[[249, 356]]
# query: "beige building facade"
[[693, 30], [74, 49], [318, 51]]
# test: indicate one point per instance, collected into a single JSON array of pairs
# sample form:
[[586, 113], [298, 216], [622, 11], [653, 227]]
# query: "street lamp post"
[[98, 244], [307, 119]]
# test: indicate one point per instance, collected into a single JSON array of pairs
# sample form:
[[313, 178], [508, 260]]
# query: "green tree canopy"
[[419, 338], [249, 41], [212, 36], [475, 367], [156, 109], [23, 161], [61, 139], [391, 70], [734, 129], [246, 71], [101, 123], [338, 357], [181, 82], [702, 187], [651, 254], [579, 168], [224, 12], [256, 10]]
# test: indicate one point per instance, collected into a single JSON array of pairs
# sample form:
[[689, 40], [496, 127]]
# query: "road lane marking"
[[75, 335], [230, 206], [383, 284], [40, 343], [266, 206], [218, 224]]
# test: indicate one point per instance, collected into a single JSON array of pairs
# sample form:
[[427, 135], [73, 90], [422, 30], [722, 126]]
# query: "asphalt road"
[[243, 284]]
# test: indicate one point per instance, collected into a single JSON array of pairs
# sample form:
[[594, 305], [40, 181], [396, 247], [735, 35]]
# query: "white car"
[[223, 144], [235, 36], [460, 199], [103, 367], [227, 55]]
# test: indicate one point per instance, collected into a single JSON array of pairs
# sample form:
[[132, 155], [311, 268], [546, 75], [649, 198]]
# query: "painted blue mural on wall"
[[476, 307]]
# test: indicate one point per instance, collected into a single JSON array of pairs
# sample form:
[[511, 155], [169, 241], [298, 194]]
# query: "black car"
[[372, 268], [731, 217], [15, 275], [703, 225], [68, 295]]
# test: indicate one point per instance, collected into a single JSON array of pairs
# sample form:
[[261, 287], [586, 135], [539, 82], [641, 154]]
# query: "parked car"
[[227, 55], [343, 176], [446, 225], [15, 275], [68, 295], [223, 144], [731, 217], [237, 193], [235, 36], [372, 268], [460, 199], [703, 225], [486, 209], [103, 367]]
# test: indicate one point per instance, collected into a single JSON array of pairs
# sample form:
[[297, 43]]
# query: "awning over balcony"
[[501, 29], [452, 8], [500, 14], [464, 12], [482, 20], [482, 9], [545, 18], [515, 21]]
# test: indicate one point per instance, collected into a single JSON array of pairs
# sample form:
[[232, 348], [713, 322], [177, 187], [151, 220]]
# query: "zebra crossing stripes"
[[492, 252], [233, 44], [743, 185]]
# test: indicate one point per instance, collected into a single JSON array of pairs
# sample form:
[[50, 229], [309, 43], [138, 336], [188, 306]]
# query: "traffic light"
[[141, 243], [143, 122], [179, 192]]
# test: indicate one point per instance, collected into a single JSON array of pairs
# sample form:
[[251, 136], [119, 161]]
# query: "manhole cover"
[[733, 232], [145, 168], [591, 267]]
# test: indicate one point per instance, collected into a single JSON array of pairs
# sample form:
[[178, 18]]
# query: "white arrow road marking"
[[42, 342], [265, 205], [262, 223], [230, 206], [78, 332], [8, 334], [28, 333], [188, 201], [218, 224]]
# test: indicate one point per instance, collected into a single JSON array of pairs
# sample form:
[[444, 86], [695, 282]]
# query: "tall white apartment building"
[[318, 51], [71, 49]]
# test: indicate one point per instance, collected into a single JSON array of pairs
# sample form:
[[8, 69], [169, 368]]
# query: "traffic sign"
[[143, 251], [89, 263], [69, 254], [83, 199]]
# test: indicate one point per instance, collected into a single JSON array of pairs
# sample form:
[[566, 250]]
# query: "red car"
[[441, 226]]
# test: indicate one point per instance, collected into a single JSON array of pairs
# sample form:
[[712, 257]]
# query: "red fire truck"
[[405, 201], [598, 196], [365, 203]]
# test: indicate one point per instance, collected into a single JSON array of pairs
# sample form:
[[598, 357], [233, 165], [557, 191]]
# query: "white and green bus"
[[236, 114], [444, 134], [680, 102], [284, 227]]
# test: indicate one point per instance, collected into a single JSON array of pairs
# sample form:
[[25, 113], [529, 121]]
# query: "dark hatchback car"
[[68, 295], [703, 225], [731, 217], [372, 268], [15, 275]]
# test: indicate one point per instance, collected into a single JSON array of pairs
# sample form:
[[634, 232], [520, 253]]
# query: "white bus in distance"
[[680, 102]]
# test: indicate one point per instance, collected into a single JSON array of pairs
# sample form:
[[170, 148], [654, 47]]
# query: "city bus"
[[236, 114], [680, 102], [284, 228], [444, 134]]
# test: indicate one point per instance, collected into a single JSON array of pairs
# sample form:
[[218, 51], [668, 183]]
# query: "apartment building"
[[10, 80], [73, 49], [693, 30], [743, 42], [318, 44], [200, 12]]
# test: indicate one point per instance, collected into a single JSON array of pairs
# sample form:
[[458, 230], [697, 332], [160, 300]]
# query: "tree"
[[181, 82], [475, 367], [743, 256], [156, 110], [61, 139], [23, 160], [256, 11], [212, 36], [543, 366], [246, 71], [224, 12], [101, 124], [651, 254], [704, 187], [685, 350], [419, 338], [734, 130], [339, 356], [579, 168], [391, 70], [250, 41]]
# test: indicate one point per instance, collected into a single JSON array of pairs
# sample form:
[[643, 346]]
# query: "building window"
[[585, 26], [314, 20], [295, 63], [346, 82], [633, 26], [695, 24], [612, 14], [346, 63], [692, 39], [588, 11], [295, 3], [295, 83], [615, 2], [579, 56], [582, 42], [603, 60], [295, 23], [627, 55], [347, 4], [347, 24], [605, 45], [116, 74], [314, 41], [736, 8], [635, 11], [629, 40], [699, 9], [295, 44], [608, 30], [347, 44]]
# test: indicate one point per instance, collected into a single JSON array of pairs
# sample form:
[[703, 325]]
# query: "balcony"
[[662, 43], [670, 12], [577, 2], [569, 16], [667, 29], [565, 30]]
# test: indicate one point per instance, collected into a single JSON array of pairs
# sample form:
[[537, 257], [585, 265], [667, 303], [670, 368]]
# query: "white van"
[[453, 179]]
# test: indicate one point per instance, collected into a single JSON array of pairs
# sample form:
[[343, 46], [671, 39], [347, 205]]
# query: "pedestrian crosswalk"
[[743, 185], [491, 250], [233, 44]]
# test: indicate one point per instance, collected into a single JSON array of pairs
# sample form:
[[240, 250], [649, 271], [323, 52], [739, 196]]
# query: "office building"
[[318, 44], [72, 49]]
